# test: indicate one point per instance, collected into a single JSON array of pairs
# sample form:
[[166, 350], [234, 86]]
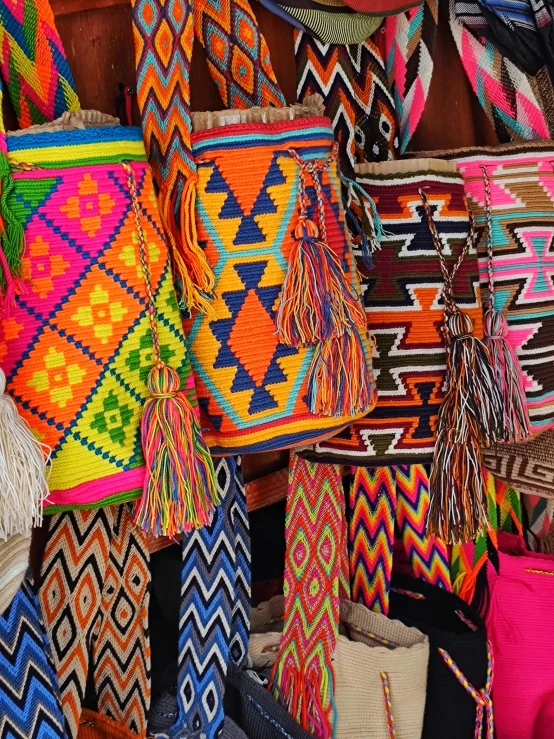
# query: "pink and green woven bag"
[[91, 340]]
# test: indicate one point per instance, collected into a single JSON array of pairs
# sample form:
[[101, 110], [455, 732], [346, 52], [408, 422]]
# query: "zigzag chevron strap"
[[353, 84], [29, 697], [237, 53], [94, 597], [372, 503], [303, 674], [428, 555], [410, 43], [164, 33], [212, 618], [33, 62]]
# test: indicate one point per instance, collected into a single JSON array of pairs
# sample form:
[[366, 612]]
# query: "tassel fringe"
[[191, 268], [364, 225], [180, 490], [515, 414], [340, 380], [23, 470], [470, 416], [316, 300], [299, 697]]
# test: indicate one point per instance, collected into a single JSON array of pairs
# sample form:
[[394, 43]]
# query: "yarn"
[[515, 415], [469, 417]]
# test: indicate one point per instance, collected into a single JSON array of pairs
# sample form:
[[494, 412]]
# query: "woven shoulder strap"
[[237, 53], [33, 63], [504, 91]]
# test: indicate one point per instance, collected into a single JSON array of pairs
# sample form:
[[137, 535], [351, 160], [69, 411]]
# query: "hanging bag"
[[91, 340]]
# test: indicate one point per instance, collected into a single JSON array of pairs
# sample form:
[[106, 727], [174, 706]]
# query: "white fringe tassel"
[[23, 470]]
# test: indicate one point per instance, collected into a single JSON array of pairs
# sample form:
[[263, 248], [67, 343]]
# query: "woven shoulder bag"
[[91, 341], [284, 357]]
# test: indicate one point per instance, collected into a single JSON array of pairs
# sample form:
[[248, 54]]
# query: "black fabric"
[[255, 710], [449, 710]]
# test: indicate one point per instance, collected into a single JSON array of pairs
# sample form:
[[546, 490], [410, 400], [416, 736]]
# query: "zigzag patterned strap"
[[237, 54], [94, 598], [29, 697], [503, 90], [428, 555], [509, 508], [164, 35], [410, 42], [211, 617], [33, 63], [303, 674], [372, 505], [353, 84]]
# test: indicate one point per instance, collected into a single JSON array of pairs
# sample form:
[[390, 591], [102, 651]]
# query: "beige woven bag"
[[370, 645]]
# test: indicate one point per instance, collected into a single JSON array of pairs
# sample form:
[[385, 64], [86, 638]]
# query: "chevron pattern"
[[410, 42], [237, 53], [208, 582], [29, 697], [121, 648], [163, 49], [94, 598], [428, 556], [33, 63], [353, 84], [372, 505], [240, 623], [303, 674]]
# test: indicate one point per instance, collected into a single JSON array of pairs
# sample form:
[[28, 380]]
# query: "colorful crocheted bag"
[[285, 356], [510, 192], [91, 337], [402, 299]]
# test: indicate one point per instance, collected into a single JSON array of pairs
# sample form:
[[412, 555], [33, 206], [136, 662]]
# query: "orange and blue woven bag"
[[284, 356], [91, 341]]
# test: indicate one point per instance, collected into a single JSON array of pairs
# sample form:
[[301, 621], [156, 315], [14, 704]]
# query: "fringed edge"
[[12, 236], [293, 689], [191, 268], [364, 225]]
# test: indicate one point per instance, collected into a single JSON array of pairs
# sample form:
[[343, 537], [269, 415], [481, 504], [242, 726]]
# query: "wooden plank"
[[68, 7]]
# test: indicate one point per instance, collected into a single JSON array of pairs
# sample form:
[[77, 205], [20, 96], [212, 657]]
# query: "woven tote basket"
[[94, 312], [256, 392], [402, 300], [369, 646]]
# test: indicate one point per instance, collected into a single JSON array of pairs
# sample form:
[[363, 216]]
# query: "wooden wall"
[[97, 35]]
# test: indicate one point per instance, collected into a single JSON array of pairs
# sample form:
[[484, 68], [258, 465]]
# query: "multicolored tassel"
[[470, 416], [179, 489], [319, 307]]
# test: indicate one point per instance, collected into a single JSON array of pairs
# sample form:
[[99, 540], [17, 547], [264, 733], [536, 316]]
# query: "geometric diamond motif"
[[77, 347]]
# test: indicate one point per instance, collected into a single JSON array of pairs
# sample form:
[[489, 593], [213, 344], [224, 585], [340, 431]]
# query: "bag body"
[[521, 596], [77, 346], [405, 313], [454, 627], [368, 646], [252, 389], [521, 184]]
